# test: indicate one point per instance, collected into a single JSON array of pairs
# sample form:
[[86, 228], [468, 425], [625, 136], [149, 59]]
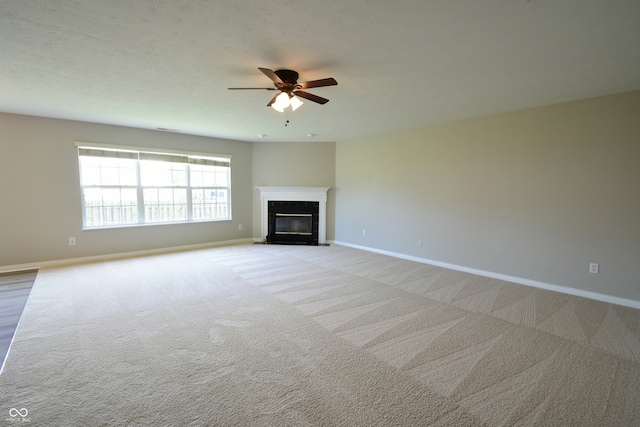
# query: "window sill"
[[152, 224]]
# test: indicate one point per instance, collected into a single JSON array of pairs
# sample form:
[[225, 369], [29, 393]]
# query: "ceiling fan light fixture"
[[287, 82], [295, 102], [282, 101]]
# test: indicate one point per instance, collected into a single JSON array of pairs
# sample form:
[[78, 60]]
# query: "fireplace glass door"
[[301, 224]]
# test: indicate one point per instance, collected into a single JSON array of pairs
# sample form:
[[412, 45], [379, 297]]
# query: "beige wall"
[[535, 194], [40, 195], [294, 164]]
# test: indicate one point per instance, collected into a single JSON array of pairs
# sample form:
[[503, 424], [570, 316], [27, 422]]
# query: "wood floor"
[[14, 291]]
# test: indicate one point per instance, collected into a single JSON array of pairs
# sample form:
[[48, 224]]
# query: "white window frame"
[[141, 153]]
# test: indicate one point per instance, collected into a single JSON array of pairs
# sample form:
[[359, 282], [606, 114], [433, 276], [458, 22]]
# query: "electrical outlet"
[[72, 241], [420, 242], [594, 268], [239, 226], [364, 232]]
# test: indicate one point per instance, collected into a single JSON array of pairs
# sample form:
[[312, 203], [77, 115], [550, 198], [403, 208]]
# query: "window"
[[128, 187]]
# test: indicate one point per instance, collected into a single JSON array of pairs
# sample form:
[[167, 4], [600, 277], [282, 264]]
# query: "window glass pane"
[[109, 176], [165, 204], [129, 196], [195, 176], [209, 176], [128, 176], [210, 203], [107, 171], [197, 195], [180, 196], [155, 174], [165, 195], [110, 206], [222, 177], [90, 175], [150, 196]]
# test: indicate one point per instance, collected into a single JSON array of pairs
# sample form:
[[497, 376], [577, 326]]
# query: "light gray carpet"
[[266, 335]]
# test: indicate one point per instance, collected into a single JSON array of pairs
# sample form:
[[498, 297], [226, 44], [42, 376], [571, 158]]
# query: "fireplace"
[[293, 222], [294, 215]]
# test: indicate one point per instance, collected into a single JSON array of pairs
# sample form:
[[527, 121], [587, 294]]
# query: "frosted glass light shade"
[[285, 100], [295, 103], [282, 102]]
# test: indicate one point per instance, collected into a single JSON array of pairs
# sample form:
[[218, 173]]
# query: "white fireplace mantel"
[[299, 194]]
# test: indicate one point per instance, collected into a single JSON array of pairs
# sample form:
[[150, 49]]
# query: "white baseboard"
[[120, 255], [528, 282]]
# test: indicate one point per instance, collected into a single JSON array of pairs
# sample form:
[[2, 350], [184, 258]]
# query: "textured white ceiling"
[[399, 64]]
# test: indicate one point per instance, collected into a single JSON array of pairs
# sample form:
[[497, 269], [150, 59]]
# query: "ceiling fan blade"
[[273, 100], [272, 75], [252, 88], [311, 97], [318, 83]]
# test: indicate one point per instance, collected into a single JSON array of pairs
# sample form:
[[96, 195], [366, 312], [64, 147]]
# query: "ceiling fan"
[[286, 81]]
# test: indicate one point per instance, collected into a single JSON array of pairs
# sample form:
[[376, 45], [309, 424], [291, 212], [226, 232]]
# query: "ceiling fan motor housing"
[[290, 80], [287, 76]]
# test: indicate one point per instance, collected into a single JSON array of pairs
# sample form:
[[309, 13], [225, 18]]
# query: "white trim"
[[150, 150], [527, 282], [120, 255], [301, 194]]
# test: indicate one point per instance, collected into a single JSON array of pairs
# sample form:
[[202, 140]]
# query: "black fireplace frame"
[[293, 207]]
